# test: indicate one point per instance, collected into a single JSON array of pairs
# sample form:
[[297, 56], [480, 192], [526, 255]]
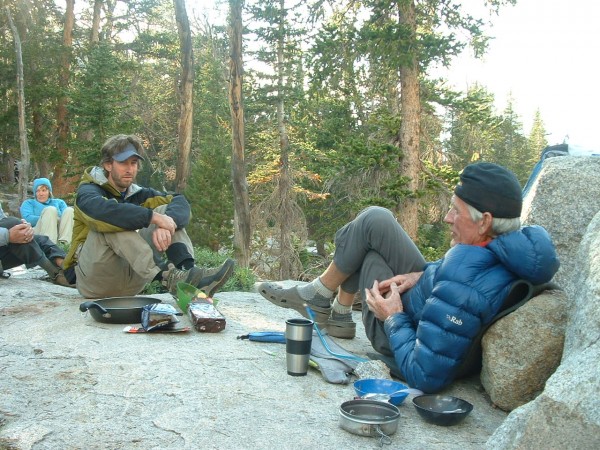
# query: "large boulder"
[[564, 199], [522, 350], [567, 413]]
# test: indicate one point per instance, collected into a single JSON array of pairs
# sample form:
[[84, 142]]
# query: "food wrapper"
[[159, 316], [205, 317]]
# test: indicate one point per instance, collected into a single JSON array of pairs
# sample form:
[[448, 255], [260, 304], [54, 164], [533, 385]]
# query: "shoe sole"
[[342, 332], [295, 302], [217, 280], [341, 329], [65, 284]]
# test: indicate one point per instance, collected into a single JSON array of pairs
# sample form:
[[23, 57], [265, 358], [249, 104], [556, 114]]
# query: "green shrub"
[[243, 279], [64, 247], [434, 240], [154, 287]]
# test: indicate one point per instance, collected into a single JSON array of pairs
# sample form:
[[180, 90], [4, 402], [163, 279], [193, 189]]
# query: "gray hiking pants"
[[374, 247], [121, 264]]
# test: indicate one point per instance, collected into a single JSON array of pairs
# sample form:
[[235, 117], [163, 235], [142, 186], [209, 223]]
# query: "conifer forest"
[[279, 122]]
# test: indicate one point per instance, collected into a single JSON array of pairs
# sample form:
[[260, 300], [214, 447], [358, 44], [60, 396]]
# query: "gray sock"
[[341, 309], [314, 288]]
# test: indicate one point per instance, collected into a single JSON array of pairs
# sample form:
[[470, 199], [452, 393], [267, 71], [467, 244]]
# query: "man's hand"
[[20, 234], [383, 307], [161, 239], [403, 282], [164, 221], [165, 229]]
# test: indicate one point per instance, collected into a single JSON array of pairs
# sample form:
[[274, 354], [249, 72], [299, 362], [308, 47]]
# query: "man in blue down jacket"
[[426, 315], [126, 235]]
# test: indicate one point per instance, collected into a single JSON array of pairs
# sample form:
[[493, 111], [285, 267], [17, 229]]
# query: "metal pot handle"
[[384, 439], [87, 305]]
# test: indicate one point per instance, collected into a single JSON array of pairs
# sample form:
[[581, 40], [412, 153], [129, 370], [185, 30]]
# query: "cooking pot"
[[370, 418], [118, 309]]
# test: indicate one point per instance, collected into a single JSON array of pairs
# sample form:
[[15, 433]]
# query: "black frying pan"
[[118, 309]]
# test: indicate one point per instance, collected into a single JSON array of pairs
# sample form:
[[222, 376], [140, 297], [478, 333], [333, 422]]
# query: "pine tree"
[[510, 148], [537, 139]]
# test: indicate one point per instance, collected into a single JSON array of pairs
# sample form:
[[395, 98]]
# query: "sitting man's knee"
[[378, 216], [9, 222]]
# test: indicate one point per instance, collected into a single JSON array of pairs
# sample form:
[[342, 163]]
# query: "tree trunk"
[[89, 134], [285, 178], [61, 184], [242, 226], [95, 32], [24, 169], [184, 145], [109, 21], [10, 168], [40, 150], [410, 116]]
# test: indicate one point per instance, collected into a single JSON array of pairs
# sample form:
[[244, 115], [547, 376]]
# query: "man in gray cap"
[[427, 315], [126, 235]]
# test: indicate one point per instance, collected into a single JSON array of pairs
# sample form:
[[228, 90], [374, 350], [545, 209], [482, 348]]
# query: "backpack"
[[520, 293]]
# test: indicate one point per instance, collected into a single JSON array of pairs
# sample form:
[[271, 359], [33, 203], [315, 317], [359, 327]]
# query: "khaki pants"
[[121, 264], [58, 229]]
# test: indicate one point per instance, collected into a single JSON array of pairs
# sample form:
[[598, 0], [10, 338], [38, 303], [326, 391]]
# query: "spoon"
[[382, 396], [457, 410]]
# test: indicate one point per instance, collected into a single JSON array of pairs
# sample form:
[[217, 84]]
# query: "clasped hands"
[[384, 297], [21, 233], [165, 229]]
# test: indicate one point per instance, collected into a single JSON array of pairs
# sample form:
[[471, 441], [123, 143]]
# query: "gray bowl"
[[442, 410]]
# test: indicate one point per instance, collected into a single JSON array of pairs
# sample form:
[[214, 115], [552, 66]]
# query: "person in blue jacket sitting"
[[427, 315], [47, 215]]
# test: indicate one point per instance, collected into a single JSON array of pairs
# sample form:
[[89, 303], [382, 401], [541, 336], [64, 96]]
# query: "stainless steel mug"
[[298, 339]]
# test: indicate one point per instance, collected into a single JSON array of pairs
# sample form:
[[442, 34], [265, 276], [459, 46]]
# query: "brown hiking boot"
[[61, 280], [207, 280]]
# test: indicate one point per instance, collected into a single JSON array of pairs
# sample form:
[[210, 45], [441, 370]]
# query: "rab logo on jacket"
[[453, 319]]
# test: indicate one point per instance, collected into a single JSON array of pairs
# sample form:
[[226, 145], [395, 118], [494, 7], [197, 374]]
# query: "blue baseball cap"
[[127, 153]]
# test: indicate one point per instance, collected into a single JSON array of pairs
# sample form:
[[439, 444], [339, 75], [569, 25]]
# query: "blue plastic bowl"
[[380, 386]]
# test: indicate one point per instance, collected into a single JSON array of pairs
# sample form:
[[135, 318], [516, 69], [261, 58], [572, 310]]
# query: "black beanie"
[[490, 188]]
